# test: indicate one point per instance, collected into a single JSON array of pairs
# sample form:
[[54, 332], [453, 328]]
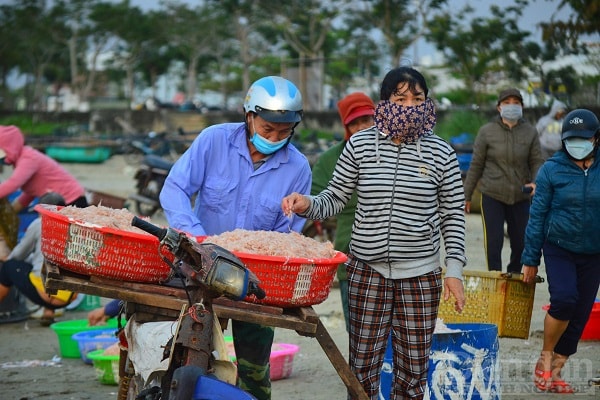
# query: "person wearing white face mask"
[[506, 158], [565, 214]]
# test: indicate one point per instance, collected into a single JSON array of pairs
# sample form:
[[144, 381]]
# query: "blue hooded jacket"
[[565, 210]]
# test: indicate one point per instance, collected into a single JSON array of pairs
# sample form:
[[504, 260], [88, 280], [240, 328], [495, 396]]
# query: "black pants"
[[16, 273], [573, 281], [494, 213]]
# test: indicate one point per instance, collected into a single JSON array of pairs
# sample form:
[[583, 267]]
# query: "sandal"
[[543, 380], [562, 387]]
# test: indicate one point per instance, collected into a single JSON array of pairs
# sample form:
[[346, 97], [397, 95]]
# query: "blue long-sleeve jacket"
[[217, 174], [565, 209]]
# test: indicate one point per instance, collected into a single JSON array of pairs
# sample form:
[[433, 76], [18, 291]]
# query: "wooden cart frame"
[[154, 302]]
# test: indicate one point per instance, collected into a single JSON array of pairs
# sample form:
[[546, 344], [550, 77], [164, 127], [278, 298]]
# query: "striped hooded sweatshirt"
[[410, 196]]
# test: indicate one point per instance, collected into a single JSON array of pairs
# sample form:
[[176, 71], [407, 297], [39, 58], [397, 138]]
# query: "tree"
[[566, 32], [133, 31], [400, 22], [353, 56], [483, 50], [37, 38], [10, 56], [304, 26], [193, 36], [85, 40]]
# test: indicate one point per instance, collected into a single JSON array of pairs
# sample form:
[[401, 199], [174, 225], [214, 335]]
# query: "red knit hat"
[[354, 105]]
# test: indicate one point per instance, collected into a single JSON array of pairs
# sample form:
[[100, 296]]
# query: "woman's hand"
[[529, 273], [294, 203], [455, 287], [468, 207]]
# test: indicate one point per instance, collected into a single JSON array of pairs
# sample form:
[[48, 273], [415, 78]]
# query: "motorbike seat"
[[155, 161]]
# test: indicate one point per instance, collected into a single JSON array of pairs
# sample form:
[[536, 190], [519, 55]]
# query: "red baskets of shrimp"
[[294, 270], [89, 249], [292, 282]]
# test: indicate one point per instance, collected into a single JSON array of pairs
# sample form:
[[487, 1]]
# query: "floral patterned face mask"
[[407, 123]]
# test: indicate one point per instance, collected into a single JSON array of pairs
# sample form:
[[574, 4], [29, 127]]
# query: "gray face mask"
[[511, 112]]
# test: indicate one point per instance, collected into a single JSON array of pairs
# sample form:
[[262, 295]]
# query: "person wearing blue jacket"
[[234, 176], [563, 225]]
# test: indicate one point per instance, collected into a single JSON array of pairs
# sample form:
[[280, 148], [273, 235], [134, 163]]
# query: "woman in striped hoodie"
[[410, 197]]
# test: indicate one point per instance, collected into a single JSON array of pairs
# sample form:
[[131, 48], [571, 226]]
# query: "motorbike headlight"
[[228, 278]]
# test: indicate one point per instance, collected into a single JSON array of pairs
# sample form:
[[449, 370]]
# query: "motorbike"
[[150, 178], [206, 271], [158, 144]]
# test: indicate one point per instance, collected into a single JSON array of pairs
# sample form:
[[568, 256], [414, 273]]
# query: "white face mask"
[[579, 148], [511, 112]]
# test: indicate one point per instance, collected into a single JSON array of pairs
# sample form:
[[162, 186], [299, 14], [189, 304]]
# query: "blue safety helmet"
[[274, 99]]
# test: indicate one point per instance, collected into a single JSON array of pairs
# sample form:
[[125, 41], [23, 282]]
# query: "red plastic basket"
[[92, 250], [292, 282]]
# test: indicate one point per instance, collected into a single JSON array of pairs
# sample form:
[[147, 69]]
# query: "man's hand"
[[97, 317], [455, 287]]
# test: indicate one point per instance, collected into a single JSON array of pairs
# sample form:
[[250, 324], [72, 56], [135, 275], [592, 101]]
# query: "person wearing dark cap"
[[23, 267], [506, 158], [563, 226], [356, 113]]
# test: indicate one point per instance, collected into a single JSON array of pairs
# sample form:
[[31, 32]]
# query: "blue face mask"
[[579, 148], [511, 112], [265, 146]]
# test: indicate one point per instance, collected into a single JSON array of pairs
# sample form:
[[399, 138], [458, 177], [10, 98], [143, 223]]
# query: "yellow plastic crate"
[[497, 298]]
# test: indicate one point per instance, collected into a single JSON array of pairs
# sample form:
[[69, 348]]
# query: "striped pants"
[[405, 307]]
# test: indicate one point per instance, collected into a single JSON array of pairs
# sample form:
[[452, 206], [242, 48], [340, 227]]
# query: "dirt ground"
[[312, 376]]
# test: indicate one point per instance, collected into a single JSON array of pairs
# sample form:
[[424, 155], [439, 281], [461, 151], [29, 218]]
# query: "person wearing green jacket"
[[356, 113], [506, 159]]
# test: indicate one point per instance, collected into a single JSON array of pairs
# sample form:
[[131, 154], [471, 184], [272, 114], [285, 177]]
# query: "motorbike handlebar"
[[146, 226], [256, 290]]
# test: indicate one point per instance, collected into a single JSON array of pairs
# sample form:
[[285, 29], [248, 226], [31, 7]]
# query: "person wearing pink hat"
[[356, 113], [34, 173]]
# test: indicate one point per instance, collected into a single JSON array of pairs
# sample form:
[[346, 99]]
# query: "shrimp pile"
[[102, 216], [293, 244]]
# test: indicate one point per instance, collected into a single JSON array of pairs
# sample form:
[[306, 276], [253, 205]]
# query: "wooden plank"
[[242, 305], [277, 321], [339, 363]]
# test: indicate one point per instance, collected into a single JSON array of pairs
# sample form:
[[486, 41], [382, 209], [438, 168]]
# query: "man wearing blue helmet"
[[234, 176]]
